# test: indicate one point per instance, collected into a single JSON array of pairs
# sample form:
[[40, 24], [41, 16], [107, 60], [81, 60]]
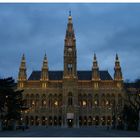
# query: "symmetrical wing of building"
[[71, 98]]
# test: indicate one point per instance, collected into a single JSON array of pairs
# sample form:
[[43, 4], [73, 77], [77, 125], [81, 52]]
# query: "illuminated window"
[[44, 102], [95, 102], [56, 103], [44, 85], [84, 103], [33, 103], [107, 102], [95, 85]]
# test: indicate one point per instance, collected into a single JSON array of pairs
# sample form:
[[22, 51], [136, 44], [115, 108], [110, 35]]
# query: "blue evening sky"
[[104, 29]]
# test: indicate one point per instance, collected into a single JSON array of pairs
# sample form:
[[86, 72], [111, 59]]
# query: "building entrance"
[[70, 123], [70, 118]]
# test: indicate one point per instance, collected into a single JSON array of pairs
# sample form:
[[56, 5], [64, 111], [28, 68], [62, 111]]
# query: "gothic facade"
[[71, 98]]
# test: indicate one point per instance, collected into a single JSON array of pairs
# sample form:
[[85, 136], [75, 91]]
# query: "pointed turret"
[[95, 73], [95, 69], [118, 73], [22, 76], [44, 72], [117, 69], [70, 58], [70, 36]]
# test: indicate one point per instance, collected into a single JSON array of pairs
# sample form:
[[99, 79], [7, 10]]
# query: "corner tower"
[[70, 58], [22, 76], [44, 72], [118, 73], [70, 106]]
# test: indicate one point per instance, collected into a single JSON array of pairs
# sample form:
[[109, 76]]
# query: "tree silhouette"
[[132, 105], [11, 103]]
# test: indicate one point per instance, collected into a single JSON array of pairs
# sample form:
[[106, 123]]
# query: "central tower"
[[70, 58], [70, 97]]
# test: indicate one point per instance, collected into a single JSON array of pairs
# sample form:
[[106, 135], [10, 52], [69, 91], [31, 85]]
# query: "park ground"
[[69, 132]]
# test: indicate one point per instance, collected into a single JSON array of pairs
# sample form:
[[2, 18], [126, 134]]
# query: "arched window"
[[84, 101], [60, 100], [89, 120], [50, 120], [103, 100], [85, 120], [70, 98], [44, 103], [69, 68], [108, 100], [97, 120], [89, 100], [50, 101], [96, 100], [119, 100], [37, 100], [103, 120], [113, 103]]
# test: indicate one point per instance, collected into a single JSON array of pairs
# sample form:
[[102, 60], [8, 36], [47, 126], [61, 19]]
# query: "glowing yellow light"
[[95, 102], [56, 103], [106, 102], [84, 103], [44, 102]]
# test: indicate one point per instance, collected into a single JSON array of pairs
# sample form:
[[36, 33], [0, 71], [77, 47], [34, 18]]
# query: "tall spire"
[[95, 63], [45, 62], [70, 58], [117, 58], [70, 18], [44, 71], [117, 69], [70, 36], [23, 62], [95, 69], [70, 13], [22, 76]]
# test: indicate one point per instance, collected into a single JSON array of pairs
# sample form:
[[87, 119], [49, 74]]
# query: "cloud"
[[105, 29]]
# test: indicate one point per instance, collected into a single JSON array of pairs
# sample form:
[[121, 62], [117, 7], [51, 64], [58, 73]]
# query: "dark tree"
[[11, 103], [132, 105]]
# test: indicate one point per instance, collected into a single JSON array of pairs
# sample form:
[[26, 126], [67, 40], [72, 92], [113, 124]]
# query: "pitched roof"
[[58, 75]]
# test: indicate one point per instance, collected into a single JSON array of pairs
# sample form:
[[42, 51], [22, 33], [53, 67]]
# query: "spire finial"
[[94, 56], [45, 56], [70, 13], [23, 57], [117, 58]]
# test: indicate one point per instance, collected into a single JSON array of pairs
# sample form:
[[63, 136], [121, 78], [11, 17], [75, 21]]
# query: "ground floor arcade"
[[69, 122]]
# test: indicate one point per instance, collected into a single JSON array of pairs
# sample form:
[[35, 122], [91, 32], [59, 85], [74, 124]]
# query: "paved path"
[[69, 132]]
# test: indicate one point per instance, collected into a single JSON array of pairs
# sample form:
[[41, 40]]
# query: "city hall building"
[[71, 98]]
